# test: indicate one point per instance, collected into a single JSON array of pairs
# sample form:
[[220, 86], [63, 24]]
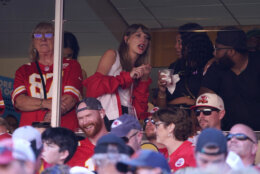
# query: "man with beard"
[[150, 134], [90, 116], [209, 110], [235, 78], [242, 140]]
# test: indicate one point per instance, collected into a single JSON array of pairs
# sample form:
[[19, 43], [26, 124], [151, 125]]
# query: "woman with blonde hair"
[[32, 94]]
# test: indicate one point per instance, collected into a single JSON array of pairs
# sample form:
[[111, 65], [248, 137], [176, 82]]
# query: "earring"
[[34, 50]]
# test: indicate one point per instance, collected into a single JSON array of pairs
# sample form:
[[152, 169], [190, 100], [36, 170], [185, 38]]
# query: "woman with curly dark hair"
[[194, 50], [173, 127]]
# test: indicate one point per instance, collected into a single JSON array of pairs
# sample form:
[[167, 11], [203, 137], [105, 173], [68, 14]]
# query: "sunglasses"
[[239, 136], [40, 35], [206, 112], [147, 120], [126, 139]]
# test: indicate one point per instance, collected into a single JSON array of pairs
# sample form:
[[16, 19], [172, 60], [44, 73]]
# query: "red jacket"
[[99, 84]]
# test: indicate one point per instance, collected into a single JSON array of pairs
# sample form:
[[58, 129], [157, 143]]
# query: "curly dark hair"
[[197, 48], [177, 116]]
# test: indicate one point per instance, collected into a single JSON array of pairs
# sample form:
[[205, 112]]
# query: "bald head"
[[243, 141], [242, 128]]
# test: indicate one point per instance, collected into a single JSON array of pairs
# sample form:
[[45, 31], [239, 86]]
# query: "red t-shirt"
[[5, 135], [182, 157], [164, 151], [28, 81], [83, 155]]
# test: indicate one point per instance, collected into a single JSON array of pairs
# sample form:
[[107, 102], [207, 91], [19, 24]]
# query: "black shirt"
[[189, 83], [240, 93]]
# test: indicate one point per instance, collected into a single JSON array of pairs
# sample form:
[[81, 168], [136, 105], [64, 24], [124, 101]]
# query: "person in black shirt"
[[235, 76], [194, 50]]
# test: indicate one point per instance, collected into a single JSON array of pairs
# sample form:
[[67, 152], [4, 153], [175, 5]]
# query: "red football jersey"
[[5, 135], [2, 104], [182, 157], [28, 81], [82, 156]]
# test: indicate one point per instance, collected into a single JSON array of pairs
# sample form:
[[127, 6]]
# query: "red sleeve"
[[73, 79], [99, 84], [19, 83], [140, 100], [2, 104]]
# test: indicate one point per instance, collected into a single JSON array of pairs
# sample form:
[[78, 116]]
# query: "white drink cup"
[[167, 73]]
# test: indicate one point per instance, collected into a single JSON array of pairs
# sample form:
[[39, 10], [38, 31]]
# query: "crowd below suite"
[[201, 118]]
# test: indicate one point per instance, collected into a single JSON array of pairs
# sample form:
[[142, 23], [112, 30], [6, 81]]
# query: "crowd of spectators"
[[203, 120]]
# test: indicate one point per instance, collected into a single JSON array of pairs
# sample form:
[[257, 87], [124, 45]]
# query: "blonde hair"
[[42, 27]]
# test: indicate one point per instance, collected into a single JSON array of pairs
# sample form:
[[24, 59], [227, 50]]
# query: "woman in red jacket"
[[122, 80]]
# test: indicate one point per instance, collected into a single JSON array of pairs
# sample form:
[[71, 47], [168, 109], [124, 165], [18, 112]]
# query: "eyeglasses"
[[218, 48], [126, 139], [149, 119], [239, 136], [40, 35], [205, 112], [157, 124]]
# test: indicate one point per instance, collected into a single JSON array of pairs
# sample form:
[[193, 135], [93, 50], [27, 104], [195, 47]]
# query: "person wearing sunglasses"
[[209, 110], [129, 129], [242, 140], [33, 87], [150, 134]]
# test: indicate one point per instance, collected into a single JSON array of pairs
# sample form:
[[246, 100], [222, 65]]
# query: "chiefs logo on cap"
[[203, 99], [116, 123]]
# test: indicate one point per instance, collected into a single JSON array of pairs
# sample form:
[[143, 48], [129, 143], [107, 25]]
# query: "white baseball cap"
[[15, 149], [209, 100], [30, 134]]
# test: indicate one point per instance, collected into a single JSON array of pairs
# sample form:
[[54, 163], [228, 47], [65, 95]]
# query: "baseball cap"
[[253, 33], [211, 138], [209, 100], [124, 124], [233, 37], [17, 149], [103, 143], [80, 170], [91, 104], [144, 158], [30, 134]]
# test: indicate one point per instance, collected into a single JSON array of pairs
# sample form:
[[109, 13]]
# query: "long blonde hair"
[[42, 27], [123, 48]]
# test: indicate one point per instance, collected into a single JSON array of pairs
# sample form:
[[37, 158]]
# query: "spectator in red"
[[32, 94], [173, 127], [90, 114], [122, 80]]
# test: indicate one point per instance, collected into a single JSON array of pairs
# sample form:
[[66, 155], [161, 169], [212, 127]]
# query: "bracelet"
[[41, 103]]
